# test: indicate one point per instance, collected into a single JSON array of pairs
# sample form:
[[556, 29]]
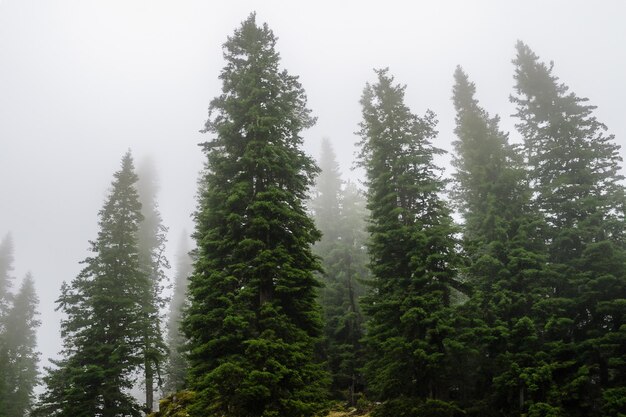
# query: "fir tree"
[[103, 329], [151, 245], [412, 252], [253, 320], [177, 363], [340, 216], [506, 256], [577, 187], [20, 349]]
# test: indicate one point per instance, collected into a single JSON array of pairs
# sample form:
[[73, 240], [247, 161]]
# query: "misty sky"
[[82, 81]]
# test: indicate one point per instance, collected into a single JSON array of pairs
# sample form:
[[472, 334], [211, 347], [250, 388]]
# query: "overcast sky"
[[82, 81]]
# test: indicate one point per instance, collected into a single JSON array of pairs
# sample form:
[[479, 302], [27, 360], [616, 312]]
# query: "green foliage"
[[505, 262], [340, 216], [253, 320], [104, 324], [18, 355], [175, 405], [412, 249], [577, 187]]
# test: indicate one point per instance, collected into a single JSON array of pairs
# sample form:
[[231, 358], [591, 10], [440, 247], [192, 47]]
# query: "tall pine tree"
[[151, 238], [253, 321], [412, 253], [177, 363], [506, 254], [104, 325], [340, 216], [577, 186]]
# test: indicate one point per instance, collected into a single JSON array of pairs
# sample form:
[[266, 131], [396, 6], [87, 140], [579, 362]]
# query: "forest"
[[499, 290]]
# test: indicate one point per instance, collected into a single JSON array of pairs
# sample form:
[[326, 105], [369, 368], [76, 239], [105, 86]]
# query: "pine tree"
[[20, 347], [506, 257], [6, 299], [412, 253], [103, 329], [177, 363], [340, 216], [253, 321], [151, 245], [577, 187]]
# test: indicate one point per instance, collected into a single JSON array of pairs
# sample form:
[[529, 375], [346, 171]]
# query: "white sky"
[[81, 81]]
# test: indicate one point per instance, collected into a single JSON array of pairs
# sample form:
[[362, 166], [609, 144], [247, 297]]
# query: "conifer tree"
[[6, 299], [103, 329], [20, 346], [506, 257], [340, 216], [253, 320], [577, 187], [151, 244], [412, 253], [177, 363]]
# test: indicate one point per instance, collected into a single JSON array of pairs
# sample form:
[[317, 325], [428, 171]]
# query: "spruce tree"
[[253, 320], [340, 216], [151, 238], [577, 186], [20, 347], [506, 255], [412, 253], [103, 328], [177, 363]]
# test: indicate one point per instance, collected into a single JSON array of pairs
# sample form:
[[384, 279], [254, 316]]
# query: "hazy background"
[[82, 81]]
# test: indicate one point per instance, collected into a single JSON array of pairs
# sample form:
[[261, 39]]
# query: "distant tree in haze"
[[6, 280], [19, 347], [503, 243], [6, 298], [104, 324], [151, 238], [412, 254], [578, 187], [18, 343], [177, 363], [340, 214], [253, 321]]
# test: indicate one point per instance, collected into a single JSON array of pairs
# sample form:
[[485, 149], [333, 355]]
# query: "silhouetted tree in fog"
[[151, 244], [177, 363]]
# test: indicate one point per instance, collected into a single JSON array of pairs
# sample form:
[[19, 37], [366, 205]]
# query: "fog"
[[82, 81]]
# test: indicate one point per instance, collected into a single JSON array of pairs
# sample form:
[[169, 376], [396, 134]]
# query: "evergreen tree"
[[20, 348], [253, 321], [6, 298], [103, 329], [505, 256], [151, 245], [177, 363], [412, 253], [577, 186], [340, 216], [326, 201]]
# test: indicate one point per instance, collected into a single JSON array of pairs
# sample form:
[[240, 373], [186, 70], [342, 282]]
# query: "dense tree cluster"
[[305, 289]]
